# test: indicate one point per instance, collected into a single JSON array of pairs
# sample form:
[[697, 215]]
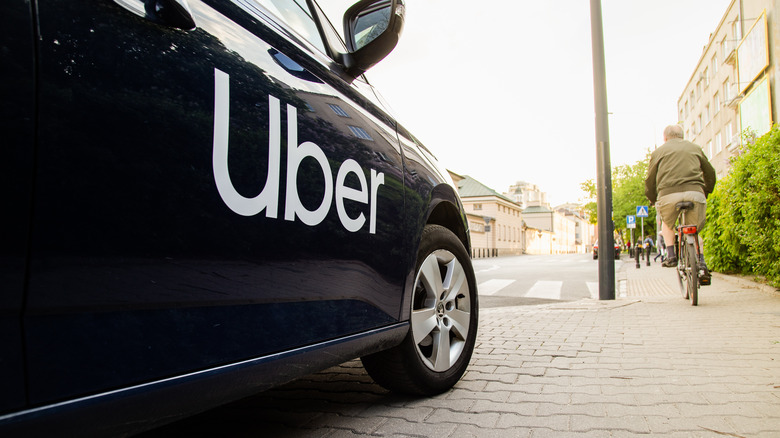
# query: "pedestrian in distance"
[[679, 171], [648, 244], [661, 249]]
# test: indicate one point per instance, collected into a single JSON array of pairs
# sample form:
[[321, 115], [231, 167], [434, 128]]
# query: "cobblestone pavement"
[[647, 363]]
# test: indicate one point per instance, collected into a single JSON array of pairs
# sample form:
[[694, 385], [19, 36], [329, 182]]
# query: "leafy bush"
[[723, 248], [743, 213]]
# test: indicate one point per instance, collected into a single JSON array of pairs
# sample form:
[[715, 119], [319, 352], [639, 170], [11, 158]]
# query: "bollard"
[[637, 251], [648, 256]]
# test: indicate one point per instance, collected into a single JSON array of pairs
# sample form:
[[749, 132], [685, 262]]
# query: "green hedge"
[[743, 213]]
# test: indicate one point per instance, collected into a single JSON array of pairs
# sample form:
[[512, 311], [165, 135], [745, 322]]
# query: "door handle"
[[171, 13]]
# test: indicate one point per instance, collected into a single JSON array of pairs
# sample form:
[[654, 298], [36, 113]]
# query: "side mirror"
[[372, 29]]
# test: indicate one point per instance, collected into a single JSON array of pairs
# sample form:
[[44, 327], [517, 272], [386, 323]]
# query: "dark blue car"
[[205, 198]]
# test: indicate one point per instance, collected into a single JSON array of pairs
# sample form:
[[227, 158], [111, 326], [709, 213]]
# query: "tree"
[[589, 188], [628, 192]]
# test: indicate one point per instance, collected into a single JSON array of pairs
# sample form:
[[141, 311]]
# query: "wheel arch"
[[446, 210]]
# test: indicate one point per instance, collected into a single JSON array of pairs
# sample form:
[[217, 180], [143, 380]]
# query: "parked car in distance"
[[204, 199], [596, 251]]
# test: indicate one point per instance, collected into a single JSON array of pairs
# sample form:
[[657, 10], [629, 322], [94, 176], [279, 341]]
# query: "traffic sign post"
[[642, 211], [631, 225]]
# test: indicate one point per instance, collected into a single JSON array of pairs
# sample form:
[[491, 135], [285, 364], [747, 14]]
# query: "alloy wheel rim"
[[441, 310]]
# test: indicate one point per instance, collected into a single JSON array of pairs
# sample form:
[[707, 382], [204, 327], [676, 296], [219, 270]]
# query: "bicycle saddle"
[[685, 205]]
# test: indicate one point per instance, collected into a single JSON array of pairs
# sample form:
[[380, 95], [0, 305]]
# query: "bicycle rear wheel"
[[692, 273], [681, 277]]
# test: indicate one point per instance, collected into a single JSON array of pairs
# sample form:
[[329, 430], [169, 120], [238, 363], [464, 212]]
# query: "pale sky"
[[503, 91]]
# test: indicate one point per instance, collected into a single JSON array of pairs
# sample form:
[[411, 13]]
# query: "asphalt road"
[[535, 279]]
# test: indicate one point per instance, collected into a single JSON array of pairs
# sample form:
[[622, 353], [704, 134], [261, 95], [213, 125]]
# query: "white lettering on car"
[[268, 199]]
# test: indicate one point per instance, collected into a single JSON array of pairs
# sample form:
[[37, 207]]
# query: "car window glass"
[[332, 34], [297, 15]]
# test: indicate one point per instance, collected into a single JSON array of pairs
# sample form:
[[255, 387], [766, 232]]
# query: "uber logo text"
[[268, 199]]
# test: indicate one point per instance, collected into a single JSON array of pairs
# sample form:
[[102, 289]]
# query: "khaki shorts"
[[665, 206]]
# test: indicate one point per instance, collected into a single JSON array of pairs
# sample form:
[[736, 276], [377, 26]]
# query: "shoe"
[[705, 278], [670, 262]]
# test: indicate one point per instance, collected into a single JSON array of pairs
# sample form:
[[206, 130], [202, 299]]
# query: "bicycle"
[[686, 244]]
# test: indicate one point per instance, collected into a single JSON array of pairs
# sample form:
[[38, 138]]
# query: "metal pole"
[[603, 166], [642, 236]]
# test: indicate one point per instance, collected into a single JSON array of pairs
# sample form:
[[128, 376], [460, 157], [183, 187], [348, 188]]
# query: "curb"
[[744, 282]]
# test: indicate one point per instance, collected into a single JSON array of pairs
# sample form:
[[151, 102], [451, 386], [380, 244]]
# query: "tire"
[[443, 321], [681, 275], [692, 273]]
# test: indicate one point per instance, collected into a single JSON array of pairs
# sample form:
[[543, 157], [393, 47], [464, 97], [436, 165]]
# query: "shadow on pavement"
[[487, 302]]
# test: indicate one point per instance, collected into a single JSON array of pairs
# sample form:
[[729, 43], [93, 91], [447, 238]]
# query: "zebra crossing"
[[550, 290], [563, 277]]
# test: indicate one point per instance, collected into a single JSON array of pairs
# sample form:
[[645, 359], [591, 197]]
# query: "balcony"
[[730, 52], [734, 102]]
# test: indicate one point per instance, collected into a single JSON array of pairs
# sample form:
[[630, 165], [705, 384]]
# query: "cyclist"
[[679, 171]]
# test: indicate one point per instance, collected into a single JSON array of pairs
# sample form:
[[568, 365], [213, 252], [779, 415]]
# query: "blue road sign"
[[641, 211], [630, 221]]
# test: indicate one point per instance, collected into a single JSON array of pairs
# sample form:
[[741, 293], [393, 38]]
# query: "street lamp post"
[[603, 167]]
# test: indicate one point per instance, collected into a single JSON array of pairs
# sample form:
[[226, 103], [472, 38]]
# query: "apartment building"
[[495, 221], [584, 231], [563, 229], [732, 88], [526, 194], [500, 225]]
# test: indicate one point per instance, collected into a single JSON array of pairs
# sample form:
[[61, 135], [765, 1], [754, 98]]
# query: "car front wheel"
[[443, 323]]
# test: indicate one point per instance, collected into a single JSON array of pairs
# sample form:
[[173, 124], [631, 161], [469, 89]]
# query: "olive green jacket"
[[678, 166]]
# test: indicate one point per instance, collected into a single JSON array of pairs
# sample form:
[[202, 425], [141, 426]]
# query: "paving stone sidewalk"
[[647, 364]]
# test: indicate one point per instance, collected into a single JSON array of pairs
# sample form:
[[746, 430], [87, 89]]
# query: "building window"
[[686, 108], [714, 64], [697, 126], [698, 89], [477, 206], [706, 114], [735, 29], [338, 110], [706, 75], [693, 99], [360, 133], [708, 151], [716, 104], [728, 134], [718, 143], [726, 91]]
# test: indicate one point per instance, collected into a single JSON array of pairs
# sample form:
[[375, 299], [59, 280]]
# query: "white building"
[[732, 88]]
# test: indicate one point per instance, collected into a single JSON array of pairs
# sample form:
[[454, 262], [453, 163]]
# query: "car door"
[[209, 189], [17, 133]]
